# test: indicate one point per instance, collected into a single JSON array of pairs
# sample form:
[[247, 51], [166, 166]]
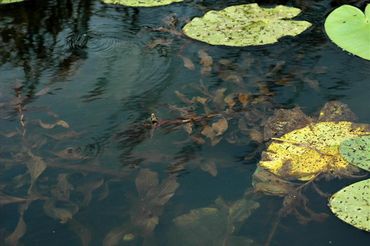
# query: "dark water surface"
[[78, 83]]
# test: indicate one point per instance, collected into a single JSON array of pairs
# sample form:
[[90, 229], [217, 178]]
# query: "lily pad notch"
[[246, 24]]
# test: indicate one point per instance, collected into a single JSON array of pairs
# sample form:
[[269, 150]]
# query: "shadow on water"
[[116, 128]]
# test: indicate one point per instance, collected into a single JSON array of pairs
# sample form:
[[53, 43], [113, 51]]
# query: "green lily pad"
[[246, 24], [357, 151], [349, 28], [142, 3], [352, 204], [10, 1]]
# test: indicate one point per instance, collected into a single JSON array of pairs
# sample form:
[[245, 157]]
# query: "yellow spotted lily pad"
[[304, 153], [352, 204], [246, 24], [142, 3]]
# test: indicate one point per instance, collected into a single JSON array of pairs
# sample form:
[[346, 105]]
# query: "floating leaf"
[[142, 3], [351, 204], [304, 153], [357, 151], [349, 28], [10, 1], [244, 25]]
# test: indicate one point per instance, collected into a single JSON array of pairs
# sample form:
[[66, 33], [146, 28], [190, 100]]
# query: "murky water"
[[78, 83]]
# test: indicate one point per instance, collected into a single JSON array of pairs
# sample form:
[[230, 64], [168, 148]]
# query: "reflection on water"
[[81, 163]]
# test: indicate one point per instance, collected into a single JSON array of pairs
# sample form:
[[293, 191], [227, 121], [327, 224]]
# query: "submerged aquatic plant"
[[349, 28]]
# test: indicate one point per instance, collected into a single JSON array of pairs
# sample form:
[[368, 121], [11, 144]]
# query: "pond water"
[[79, 81]]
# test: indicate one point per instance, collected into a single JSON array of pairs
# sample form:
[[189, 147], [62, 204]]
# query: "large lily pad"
[[357, 151], [349, 28], [142, 3], [10, 1], [352, 204], [304, 153], [246, 24]]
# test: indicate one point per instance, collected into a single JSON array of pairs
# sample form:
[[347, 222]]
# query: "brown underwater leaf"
[[243, 99], [183, 98], [61, 123], [87, 189], [188, 127], [206, 61], [42, 91], [159, 42], [6, 199], [18, 232], [229, 100], [81, 231], [9, 134], [336, 111], [61, 213], [188, 63], [213, 225], [115, 236], [62, 189], [218, 98], [36, 166], [146, 180], [214, 131], [256, 135], [209, 167], [152, 198], [270, 184], [71, 153], [283, 121], [64, 135]]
